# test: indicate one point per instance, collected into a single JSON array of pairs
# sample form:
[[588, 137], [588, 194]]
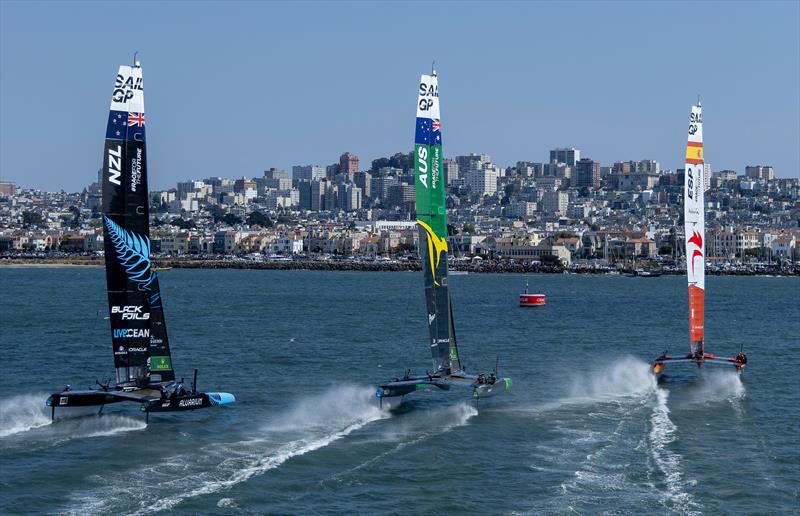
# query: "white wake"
[[23, 413], [662, 434], [312, 423]]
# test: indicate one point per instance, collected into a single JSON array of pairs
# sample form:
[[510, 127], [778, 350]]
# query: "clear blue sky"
[[234, 88]]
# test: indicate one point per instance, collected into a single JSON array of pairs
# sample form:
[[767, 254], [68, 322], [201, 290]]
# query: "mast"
[[694, 229], [138, 333], [432, 221]]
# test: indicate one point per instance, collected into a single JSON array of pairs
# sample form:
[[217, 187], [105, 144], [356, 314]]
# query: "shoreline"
[[484, 267]]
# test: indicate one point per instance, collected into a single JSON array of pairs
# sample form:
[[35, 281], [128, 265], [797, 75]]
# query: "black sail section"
[[455, 361], [437, 300], [138, 332]]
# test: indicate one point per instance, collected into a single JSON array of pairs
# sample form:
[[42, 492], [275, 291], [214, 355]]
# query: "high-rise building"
[[568, 155], [308, 172], [349, 197], [240, 185], [318, 191], [380, 186], [348, 164], [555, 202], [759, 172], [623, 167], [274, 173], [450, 168], [8, 188], [586, 174], [472, 162], [483, 180], [400, 195], [363, 180], [648, 166], [331, 197], [305, 194]]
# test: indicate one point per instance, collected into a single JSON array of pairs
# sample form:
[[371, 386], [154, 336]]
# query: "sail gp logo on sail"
[[125, 88], [427, 94]]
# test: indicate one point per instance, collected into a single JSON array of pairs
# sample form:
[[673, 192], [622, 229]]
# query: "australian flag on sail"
[[428, 132]]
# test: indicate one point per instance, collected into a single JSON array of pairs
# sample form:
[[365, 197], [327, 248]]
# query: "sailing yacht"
[[694, 229], [142, 359], [429, 182]]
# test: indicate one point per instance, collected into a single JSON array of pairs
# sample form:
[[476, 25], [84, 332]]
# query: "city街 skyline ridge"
[[517, 79], [607, 168]]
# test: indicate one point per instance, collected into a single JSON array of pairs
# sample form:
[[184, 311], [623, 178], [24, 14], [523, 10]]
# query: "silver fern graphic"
[[133, 253]]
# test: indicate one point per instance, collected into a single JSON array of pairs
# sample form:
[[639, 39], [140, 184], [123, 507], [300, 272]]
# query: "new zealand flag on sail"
[[428, 132], [125, 126]]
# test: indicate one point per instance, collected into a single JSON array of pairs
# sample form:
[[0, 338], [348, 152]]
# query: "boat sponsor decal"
[[191, 402], [121, 351], [431, 318], [133, 253], [63, 400], [131, 312], [137, 350], [136, 170], [453, 353], [115, 165], [131, 333], [436, 246], [697, 240], [160, 363]]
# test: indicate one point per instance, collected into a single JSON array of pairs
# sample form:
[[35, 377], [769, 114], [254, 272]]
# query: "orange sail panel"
[[697, 297]]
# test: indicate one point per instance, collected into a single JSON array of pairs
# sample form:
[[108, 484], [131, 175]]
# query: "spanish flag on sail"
[[694, 153]]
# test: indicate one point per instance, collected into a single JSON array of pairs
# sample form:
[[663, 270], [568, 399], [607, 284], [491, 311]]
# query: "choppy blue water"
[[585, 429]]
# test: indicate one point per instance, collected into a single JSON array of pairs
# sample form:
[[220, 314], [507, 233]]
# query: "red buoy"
[[531, 300]]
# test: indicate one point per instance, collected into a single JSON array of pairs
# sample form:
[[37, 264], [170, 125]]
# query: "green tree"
[[468, 229], [216, 212], [231, 219], [549, 259], [31, 218], [183, 223], [259, 219]]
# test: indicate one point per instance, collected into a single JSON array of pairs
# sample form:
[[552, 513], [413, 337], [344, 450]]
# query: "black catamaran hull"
[[481, 387], [150, 399]]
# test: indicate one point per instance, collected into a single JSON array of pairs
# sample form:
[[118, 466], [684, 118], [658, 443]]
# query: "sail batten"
[[432, 222], [694, 228], [138, 332]]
